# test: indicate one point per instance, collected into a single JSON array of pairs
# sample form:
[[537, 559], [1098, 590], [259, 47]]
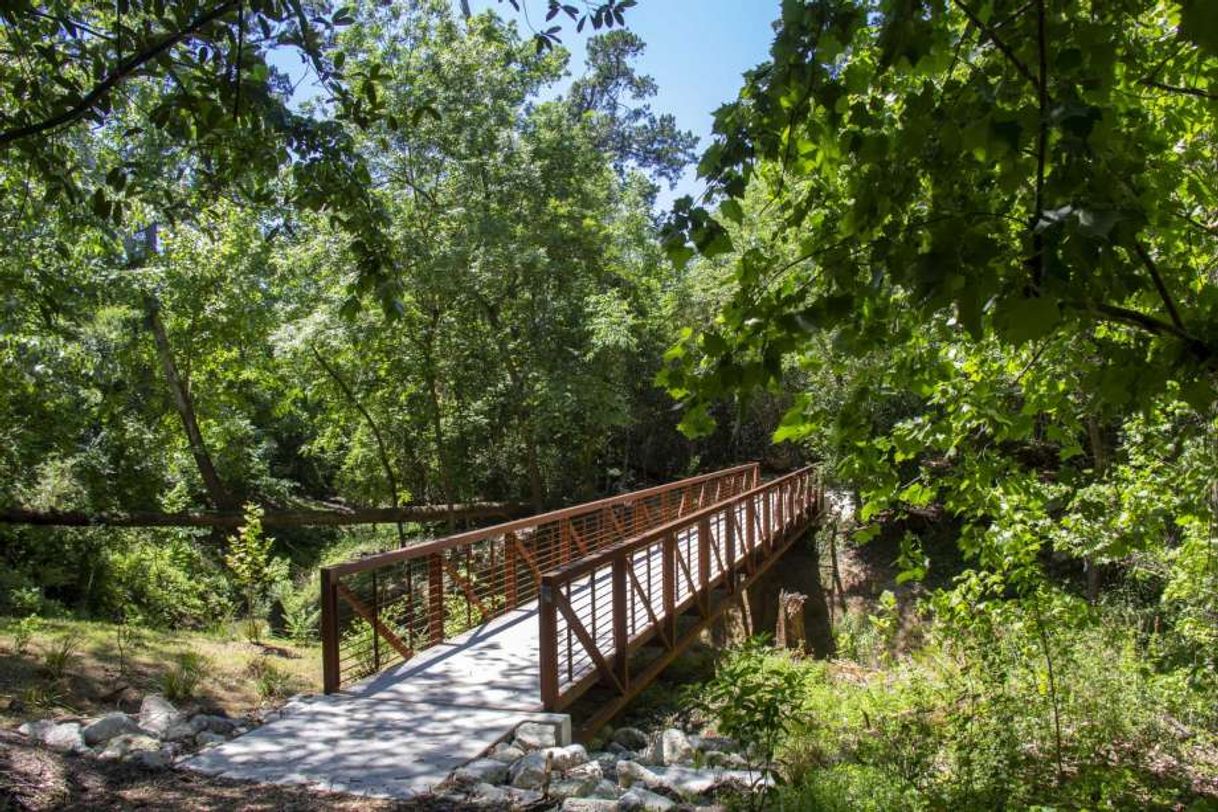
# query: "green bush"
[[181, 681]]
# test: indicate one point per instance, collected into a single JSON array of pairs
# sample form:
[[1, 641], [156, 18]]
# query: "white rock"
[[107, 727], [631, 738], [507, 753], [691, 781], [564, 758], [630, 773], [674, 748], [536, 735], [481, 771], [529, 772], [35, 729], [641, 799], [157, 714], [123, 745], [207, 738], [590, 805], [65, 737]]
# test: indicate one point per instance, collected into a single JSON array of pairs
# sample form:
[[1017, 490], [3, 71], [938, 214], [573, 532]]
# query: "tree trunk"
[[1099, 456], [390, 479], [217, 494]]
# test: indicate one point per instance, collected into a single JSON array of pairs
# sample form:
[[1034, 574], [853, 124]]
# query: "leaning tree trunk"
[[217, 494]]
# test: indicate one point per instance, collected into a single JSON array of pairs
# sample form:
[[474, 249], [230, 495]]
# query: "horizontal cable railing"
[[383, 609], [596, 611]]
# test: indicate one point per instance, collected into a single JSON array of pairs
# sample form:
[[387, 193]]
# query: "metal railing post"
[[435, 598]]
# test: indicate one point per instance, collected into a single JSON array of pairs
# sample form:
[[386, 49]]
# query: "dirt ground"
[[34, 778]]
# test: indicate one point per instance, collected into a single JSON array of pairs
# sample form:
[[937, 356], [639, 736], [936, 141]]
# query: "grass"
[[111, 666]]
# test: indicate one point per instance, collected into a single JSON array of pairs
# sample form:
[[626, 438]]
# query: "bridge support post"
[[621, 632], [669, 573], [330, 678], [547, 653]]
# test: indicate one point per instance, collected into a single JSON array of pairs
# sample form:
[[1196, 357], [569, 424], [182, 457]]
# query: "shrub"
[[24, 631], [60, 655], [270, 681], [181, 681]]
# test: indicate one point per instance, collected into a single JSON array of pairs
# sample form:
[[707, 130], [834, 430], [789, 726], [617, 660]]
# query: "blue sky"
[[696, 52]]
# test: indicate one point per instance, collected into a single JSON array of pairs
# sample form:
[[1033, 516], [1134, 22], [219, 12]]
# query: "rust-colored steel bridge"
[[600, 596]]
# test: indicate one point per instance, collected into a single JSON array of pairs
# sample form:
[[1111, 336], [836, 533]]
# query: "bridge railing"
[[381, 610], [597, 612]]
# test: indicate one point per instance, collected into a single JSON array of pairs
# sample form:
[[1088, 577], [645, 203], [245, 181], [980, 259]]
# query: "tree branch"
[[1188, 91], [1153, 269], [120, 74], [1147, 323], [998, 43]]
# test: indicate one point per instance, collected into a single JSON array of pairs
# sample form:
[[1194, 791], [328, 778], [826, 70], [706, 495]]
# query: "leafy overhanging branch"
[[125, 70]]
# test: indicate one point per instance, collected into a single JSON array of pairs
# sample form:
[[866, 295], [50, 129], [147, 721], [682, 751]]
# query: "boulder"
[[673, 747], [564, 758], [608, 762], [630, 773], [631, 738], [617, 749], [536, 735], [641, 799], [102, 730], [589, 805], [561, 788], [157, 714], [690, 781], [122, 746], [604, 789], [530, 772], [713, 744], [481, 771], [149, 759], [180, 732], [488, 795], [731, 761], [65, 737], [221, 725], [206, 738], [506, 753]]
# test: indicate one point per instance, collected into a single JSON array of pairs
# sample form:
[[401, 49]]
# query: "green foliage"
[[270, 682], [59, 656], [23, 631], [965, 721], [753, 697], [180, 682]]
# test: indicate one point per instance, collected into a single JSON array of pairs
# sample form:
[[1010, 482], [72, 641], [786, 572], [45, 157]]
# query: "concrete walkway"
[[400, 733]]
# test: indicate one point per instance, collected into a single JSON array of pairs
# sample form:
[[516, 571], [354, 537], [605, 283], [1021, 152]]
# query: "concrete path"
[[401, 733]]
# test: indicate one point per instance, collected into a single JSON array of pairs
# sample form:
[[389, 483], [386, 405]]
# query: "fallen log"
[[271, 518]]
